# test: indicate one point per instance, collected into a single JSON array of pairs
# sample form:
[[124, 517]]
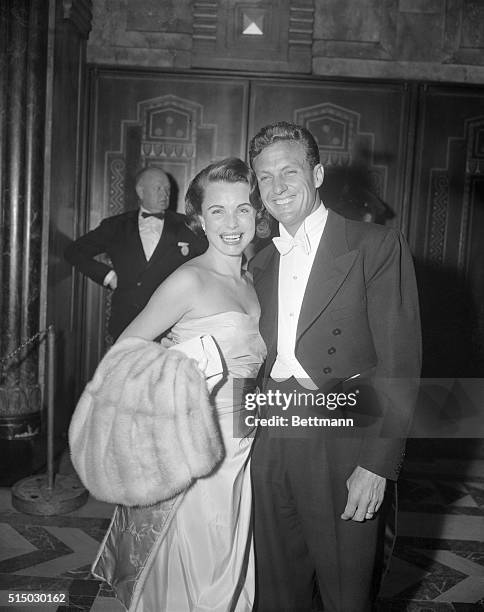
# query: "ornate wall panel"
[[178, 123], [361, 131], [169, 132], [345, 28], [447, 229], [432, 40], [142, 32], [253, 35], [464, 32]]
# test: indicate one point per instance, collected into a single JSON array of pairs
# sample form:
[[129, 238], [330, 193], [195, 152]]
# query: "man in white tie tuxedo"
[[144, 245], [339, 308]]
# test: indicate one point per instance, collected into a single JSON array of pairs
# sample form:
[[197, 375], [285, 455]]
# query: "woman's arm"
[[173, 299]]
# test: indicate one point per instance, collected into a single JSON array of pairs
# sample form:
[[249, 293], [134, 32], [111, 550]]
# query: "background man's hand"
[[365, 495], [111, 280]]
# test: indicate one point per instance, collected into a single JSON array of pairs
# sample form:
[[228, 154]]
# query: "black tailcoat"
[[118, 237]]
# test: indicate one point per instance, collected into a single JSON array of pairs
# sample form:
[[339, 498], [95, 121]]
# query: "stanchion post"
[[50, 407], [37, 494]]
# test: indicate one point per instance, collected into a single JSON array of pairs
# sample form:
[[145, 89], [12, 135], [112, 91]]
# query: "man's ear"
[[139, 191], [318, 174]]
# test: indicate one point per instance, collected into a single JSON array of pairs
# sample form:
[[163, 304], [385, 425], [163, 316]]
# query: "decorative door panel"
[[447, 228], [362, 133], [178, 123], [138, 119]]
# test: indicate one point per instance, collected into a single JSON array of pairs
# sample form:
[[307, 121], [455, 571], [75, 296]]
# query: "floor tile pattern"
[[437, 566]]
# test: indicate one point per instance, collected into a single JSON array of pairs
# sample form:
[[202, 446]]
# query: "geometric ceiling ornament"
[[253, 24], [253, 34]]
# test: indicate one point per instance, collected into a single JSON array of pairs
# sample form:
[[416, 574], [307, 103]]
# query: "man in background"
[[144, 245]]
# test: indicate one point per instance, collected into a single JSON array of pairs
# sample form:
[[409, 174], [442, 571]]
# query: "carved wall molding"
[[440, 196], [166, 133], [337, 131], [474, 138], [205, 20], [301, 22], [253, 35], [439, 185], [116, 169]]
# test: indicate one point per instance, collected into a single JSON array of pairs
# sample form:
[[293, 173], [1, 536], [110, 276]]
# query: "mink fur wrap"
[[144, 428]]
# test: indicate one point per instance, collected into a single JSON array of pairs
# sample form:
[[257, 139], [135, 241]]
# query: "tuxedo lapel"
[[266, 282], [331, 266]]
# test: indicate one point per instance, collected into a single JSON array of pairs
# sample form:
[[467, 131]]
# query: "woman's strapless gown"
[[206, 560]]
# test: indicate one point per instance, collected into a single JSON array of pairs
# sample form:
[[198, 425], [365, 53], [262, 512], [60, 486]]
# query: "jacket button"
[[331, 350], [336, 331], [327, 370], [138, 284]]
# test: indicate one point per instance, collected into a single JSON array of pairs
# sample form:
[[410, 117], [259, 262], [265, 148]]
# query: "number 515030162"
[[34, 598]]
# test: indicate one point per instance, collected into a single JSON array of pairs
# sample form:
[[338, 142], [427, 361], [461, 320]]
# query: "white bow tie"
[[285, 245]]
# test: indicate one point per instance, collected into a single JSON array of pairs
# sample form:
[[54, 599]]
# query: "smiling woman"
[[230, 171], [206, 550], [227, 217], [217, 203]]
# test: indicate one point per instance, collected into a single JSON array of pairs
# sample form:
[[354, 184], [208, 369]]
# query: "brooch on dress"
[[184, 248]]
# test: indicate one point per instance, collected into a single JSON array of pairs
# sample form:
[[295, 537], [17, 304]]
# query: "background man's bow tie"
[[160, 215], [285, 245]]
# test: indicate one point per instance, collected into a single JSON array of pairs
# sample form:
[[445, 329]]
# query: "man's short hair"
[[140, 174], [283, 130]]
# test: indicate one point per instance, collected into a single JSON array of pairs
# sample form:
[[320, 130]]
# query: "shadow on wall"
[[351, 190]]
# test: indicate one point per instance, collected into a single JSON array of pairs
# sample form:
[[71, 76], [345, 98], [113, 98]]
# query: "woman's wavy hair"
[[229, 170]]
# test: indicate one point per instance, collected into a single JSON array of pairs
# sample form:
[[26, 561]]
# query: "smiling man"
[[339, 303], [144, 245]]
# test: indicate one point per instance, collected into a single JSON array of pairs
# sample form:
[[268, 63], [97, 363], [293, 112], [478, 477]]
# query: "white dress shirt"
[[294, 269], [150, 229]]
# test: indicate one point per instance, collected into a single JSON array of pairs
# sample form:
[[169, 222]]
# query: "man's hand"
[[365, 495], [111, 280]]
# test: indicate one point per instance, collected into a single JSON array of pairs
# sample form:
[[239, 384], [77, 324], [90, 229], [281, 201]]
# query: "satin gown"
[[206, 560]]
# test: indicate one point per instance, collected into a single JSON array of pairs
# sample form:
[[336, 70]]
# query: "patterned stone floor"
[[438, 562]]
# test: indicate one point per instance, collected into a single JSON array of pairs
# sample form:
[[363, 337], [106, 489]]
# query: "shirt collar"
[[311, 228]]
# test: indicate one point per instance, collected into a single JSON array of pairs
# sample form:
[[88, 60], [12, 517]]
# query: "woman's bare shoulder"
[[191, 272]]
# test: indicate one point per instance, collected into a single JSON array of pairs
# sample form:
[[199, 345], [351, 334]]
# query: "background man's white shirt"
[[150, 229]]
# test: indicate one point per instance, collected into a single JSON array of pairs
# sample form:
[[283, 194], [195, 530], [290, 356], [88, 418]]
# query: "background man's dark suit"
[[119, 238], [359, 316]]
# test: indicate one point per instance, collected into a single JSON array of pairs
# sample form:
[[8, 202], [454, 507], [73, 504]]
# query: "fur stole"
[[144, 428]]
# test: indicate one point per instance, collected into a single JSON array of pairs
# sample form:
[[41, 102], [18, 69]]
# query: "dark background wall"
[[394, 92]]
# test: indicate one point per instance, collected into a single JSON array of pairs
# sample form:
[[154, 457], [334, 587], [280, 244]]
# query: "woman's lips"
[[233, 238]]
